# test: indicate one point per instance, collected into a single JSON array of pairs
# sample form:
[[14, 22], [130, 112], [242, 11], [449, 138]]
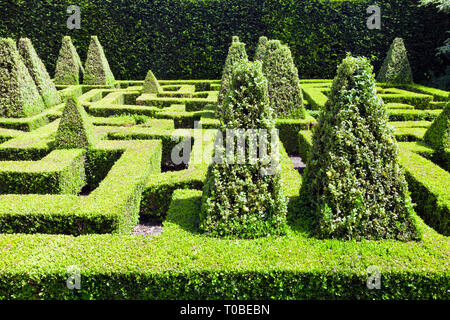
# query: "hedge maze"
[[81, 162]]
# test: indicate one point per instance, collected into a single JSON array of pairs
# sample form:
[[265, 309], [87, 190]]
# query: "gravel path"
[[298, 164], [147, 228]]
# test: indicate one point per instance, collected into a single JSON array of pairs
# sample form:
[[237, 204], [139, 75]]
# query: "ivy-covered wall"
[[190, 38]]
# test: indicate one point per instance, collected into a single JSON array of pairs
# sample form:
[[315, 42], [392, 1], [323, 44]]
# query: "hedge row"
[[428, 184], [61, 172], [189, 39], [182, 264], [113, 207], [159, 188]]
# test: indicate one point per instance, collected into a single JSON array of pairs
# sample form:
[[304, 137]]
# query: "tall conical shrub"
[[353, 185], [38, 72], [236, 53], [19, 96], [285, 94], [151, 84], [261, 48], [75, 130], [69, 70], [97, 70], [396, 68], [241, 199], [438, 134]]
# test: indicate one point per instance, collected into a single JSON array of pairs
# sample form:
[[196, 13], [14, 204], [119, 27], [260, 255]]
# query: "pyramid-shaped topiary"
[[19, 96], [396, 68], [285, 94], [353, 185], [38, 72], [261, 48], [151, 84], [75, 130], [236, 53], [438, 134], [69, 70], [96, 68], [240, 199]]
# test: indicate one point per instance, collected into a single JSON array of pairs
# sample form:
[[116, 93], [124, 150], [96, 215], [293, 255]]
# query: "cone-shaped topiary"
[[285, 94], [75, 130], [438, 134], [239, 198], [69, 70], [96, 68], [236, 53], [261, 48], [19, 96], [151, 84], [38, 72], [353, 185], [396, 68]]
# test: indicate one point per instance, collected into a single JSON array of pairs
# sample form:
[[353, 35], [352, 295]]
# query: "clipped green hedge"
[[113, 207], [428, 184], [182, 264], [409, 115], [159, 188], [304, 144], [189, 39], [289, 128], [61, 172]]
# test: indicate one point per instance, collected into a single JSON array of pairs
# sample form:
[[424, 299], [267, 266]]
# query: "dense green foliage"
[[75, 129], [181, 264], [236, 53], [239, 198], [96, 68], [187, 39], [438, 135], [69, 69], [443, 5], [19, 96], [396, 68], [38, 72], [261, 48], [353, 186], [151, 84], [61, 172], [128, 179], [429, 187], [285, 95]]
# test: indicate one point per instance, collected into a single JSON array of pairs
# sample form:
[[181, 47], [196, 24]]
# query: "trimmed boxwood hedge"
[[181, 263], [429, 188], [61, 172], [113, 207]]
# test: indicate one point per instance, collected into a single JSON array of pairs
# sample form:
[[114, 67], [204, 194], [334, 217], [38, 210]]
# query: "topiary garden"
[[265, 184]]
